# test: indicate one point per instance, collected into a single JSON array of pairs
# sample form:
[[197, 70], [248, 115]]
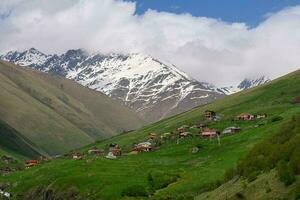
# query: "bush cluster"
[[276, 118], [281, 151], [159, 180], [135, 191], [156, 179]]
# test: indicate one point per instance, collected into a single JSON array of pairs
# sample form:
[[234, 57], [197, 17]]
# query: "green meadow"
[[171, 171]]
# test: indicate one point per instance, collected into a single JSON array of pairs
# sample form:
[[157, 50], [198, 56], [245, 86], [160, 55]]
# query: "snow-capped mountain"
[[247, 83], [250, 83], [153, 88]]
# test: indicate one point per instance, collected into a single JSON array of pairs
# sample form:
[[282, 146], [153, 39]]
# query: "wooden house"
[[185, 134], [245, 116], [96, 151], [152, 136], [231, 130], [143, 146], [165, 135], [77, 155], [111, 155], [31, 163], [207, 132], [209, 114], [201, 126], [115, 149], [183, 128], [7, 159], [261, 116]]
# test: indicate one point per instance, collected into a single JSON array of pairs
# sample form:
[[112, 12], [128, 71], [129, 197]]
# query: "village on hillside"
[[154, 140], [205, 129]]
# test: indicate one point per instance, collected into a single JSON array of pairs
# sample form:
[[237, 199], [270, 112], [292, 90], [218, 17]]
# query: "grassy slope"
[[57, 114], [266, 186], [106, 179], [14, 143]]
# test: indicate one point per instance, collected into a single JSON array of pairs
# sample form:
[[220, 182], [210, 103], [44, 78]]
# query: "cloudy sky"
[[210, 40]]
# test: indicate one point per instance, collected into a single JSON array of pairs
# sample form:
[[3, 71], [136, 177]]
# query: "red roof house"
[[31, 163], [207, 132], [245, 116]]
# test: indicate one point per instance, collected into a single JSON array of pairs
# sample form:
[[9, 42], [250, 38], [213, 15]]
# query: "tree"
[[285, 173]]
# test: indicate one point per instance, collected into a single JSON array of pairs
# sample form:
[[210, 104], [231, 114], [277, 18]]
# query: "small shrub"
[[268, 190], [135, 191], [244, 184], [297, 191], [296, 100], [239, 195], [295, 161], [252, 176], [276, 118], [229, 174], [159, 180], [211, 186], [285, 173]]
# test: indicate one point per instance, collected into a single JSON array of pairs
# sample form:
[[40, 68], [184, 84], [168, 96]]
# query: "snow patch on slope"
[[153, 88]]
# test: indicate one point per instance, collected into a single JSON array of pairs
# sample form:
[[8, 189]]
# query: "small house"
[[111, 155], [209, 114], [231, 130], [183, 128], [152, 136], [44, 158], [7, 159], [96, 151], [115, 149], [5, 170], [31, 163], [207, 132], [201, 126], [261, 116], [77, 156], [180, 130], [185, 134], [143, 146], [165, 135], [245, 116], [5, 194]]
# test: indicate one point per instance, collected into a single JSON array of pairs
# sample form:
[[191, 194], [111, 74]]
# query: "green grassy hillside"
[[270, 170], [266, 186], [13, 145], [57, 114], [172, 171], [13, 142]]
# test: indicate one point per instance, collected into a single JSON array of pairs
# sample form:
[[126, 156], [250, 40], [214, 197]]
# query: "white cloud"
[[208, 49]]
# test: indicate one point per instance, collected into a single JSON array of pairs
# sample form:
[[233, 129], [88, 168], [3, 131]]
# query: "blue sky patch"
[[252, 12]]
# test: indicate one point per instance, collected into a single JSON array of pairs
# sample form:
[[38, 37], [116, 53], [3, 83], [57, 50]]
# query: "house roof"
[[186, 133], [243, 114], [232, 127], [145, 143], [209, 133], [113, 145], [32, 161], [96, 150], [209, 130]]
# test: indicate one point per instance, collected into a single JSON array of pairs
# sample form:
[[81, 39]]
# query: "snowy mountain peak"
[[28, 57], [249, 83], [155, 89]]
